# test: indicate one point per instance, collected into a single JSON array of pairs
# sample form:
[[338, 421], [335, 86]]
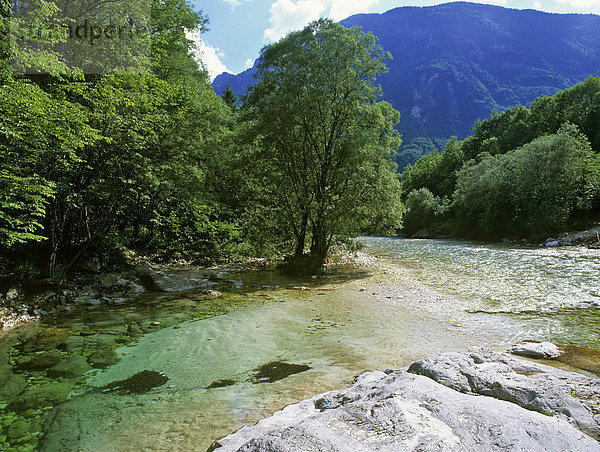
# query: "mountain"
[[239, 82], [457, 62]]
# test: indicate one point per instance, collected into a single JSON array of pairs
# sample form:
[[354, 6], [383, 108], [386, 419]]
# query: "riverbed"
[[400, 301]]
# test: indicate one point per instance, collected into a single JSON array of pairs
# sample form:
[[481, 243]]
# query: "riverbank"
[[26, 301], [589, 238]]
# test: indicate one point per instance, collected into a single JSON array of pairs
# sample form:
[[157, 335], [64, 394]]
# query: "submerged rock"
[[74, 344], [18, 429], [47, 340], [14, 385], [103, 358], [540, 350], [139, 383], [41, 396], [41, 361], [276, 370], [5, 374], [70, 367], [406, 412]]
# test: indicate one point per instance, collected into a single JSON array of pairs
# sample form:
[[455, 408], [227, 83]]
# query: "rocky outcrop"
[[400, 410], [539, 350], [536, 387], [171, 279], [589, 237]]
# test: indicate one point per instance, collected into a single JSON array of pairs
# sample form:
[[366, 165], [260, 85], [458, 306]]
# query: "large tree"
[[323, 144]]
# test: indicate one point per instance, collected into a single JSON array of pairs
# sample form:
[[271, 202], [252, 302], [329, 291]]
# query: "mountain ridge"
[[455, 63]]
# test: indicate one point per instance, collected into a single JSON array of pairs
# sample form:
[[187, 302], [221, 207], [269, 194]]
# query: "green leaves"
[[321, 145], [39, 138], [423, 210], [523, 171], [23, 202], [531, 190]]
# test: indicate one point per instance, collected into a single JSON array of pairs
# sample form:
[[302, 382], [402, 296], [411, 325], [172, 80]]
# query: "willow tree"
[[324, 144]]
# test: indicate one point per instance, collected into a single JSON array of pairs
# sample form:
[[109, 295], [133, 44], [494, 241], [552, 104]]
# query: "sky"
[[240, 28]]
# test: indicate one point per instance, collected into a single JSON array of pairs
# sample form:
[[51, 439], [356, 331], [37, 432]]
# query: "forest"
[[104, 157], [144, 157], [524, 172]]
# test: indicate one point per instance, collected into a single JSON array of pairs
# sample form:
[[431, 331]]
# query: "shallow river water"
[[404, 300], [555, 291]]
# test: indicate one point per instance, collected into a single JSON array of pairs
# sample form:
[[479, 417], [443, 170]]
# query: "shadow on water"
[[276, 370], [221, 383]]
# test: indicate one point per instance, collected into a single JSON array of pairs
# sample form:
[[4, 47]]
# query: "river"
[[555, 292], [401, 301]]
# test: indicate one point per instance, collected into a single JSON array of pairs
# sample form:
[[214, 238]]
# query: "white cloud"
[[235, 3], [537, 5], [288, 15], [340, 9], [207, 56], [249, 63], [582, 4]]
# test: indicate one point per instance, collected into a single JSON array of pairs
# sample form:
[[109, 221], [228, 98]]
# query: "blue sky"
[[240, 28]]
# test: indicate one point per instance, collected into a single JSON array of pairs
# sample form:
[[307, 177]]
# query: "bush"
[[423, 209], [531, 190]]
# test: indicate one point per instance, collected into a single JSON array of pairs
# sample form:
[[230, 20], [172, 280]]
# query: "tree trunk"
[[319, 246], [301, 238]]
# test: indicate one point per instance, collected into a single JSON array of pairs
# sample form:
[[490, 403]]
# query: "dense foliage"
[[145, 156], [149, 158], [93, 162], [525, 171], [323, 145]]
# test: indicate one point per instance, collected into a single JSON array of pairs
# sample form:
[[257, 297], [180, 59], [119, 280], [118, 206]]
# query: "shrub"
[[423, 209]]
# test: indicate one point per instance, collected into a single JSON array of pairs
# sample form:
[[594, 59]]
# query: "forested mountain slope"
[[455, 63]]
